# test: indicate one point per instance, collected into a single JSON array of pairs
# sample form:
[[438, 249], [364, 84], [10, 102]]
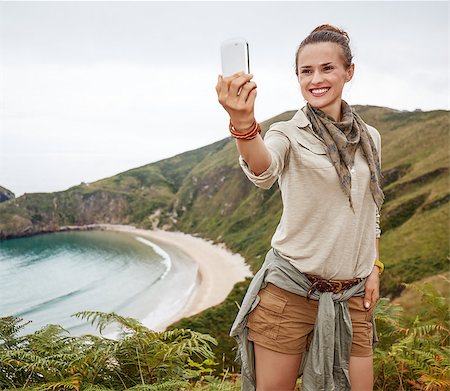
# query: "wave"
[[167, 261], [55, 300]]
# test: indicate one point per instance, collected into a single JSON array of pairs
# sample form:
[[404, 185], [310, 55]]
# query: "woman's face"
[[322, 75]]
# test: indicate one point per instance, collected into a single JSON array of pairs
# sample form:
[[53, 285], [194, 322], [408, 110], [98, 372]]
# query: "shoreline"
[[218, 268]]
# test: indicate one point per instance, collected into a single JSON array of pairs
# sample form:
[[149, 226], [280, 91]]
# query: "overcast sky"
[[90, 89]]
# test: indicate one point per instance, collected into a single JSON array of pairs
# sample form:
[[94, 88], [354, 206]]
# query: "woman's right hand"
[[240, 107]]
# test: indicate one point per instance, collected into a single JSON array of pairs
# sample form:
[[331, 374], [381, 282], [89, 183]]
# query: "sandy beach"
[[219, 269]]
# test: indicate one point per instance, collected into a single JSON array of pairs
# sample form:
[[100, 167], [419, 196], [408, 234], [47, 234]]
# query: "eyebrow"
[[309, 66]]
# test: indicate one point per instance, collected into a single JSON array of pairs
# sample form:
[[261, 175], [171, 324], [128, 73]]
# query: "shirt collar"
[[300, 119]]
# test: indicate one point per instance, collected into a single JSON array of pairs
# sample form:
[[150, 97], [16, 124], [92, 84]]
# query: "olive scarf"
[[342, 139]]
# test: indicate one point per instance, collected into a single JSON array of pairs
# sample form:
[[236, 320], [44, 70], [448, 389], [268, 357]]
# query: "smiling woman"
[[327, 161]]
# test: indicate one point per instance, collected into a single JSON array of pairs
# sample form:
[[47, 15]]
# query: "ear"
[[350, 71]]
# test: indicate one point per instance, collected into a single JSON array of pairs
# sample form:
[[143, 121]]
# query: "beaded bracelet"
[[255, 129]]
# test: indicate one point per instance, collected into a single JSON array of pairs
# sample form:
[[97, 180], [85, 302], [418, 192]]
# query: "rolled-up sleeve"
[[278, 145], [377, 225]]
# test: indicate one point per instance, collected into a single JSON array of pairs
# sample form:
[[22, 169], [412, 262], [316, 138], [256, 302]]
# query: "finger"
[[375, 297], [237, 83], [219, 83], [233, 76], [222, 90], [246, 88], [367, 299], [237, 80], [251, 98], [228, 79]]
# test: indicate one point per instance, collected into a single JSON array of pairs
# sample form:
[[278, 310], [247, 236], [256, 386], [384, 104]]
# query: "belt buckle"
[[338, 288]]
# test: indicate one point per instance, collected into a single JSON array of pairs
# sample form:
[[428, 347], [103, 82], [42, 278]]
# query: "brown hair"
[[327, 33]]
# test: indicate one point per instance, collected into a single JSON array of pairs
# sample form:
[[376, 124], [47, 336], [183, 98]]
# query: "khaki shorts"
[[284, 322]]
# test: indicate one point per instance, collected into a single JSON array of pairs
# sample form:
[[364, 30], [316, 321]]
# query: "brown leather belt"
[[334, 286]]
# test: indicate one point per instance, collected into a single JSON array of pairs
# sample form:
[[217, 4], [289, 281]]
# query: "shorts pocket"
[[266, 317], [357, 310], [370, 311]]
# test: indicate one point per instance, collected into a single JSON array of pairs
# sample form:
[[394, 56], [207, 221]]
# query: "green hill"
[[205, 192]]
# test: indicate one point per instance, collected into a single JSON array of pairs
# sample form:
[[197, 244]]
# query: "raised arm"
[[237, 95]]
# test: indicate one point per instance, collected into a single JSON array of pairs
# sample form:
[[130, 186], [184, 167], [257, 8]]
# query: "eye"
[[328, 68], [305, 71]]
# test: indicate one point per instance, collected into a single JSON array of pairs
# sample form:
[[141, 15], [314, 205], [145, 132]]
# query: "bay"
[[47, 278]]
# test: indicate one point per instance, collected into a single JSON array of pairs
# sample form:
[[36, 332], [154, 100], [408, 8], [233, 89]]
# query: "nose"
[[317, 77]]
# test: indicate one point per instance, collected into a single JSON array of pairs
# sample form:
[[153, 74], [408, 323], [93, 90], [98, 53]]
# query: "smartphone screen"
[[235, 56]]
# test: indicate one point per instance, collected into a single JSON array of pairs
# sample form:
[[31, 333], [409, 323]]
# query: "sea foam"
[[167, 261]]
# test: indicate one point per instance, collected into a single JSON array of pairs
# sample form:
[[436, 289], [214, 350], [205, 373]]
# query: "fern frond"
[[170, 385], [104, 319], [10, 327], [94, 387], [26, 360], [432, 383], [51, 359], [69, 383], [428, 329]]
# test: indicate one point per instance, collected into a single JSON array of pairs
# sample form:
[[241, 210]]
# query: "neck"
[[334, 110]]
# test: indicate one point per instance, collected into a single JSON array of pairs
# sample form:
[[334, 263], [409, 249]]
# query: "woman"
[[309, 309]]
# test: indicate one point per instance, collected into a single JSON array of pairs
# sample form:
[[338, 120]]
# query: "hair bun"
[[333, 29]]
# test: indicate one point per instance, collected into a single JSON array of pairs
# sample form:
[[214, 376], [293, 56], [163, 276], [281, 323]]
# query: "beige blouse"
[[318, 232]]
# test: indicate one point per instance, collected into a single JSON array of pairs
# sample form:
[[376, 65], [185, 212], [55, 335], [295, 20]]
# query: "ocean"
[[47, 278]]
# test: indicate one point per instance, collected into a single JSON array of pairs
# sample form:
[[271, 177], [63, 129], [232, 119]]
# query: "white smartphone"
[[235, 56]]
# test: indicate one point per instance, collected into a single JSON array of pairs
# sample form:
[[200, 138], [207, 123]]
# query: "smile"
[[319, 91]]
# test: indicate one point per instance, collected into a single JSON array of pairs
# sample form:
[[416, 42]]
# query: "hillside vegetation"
[[205, 192]]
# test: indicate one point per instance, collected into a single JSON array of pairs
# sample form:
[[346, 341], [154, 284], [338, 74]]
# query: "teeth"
[[320, 90]]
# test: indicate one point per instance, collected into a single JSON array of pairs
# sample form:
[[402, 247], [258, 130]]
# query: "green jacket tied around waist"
[[325, 365]]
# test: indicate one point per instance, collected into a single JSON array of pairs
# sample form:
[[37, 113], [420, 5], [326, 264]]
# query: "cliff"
[[6, 194]]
